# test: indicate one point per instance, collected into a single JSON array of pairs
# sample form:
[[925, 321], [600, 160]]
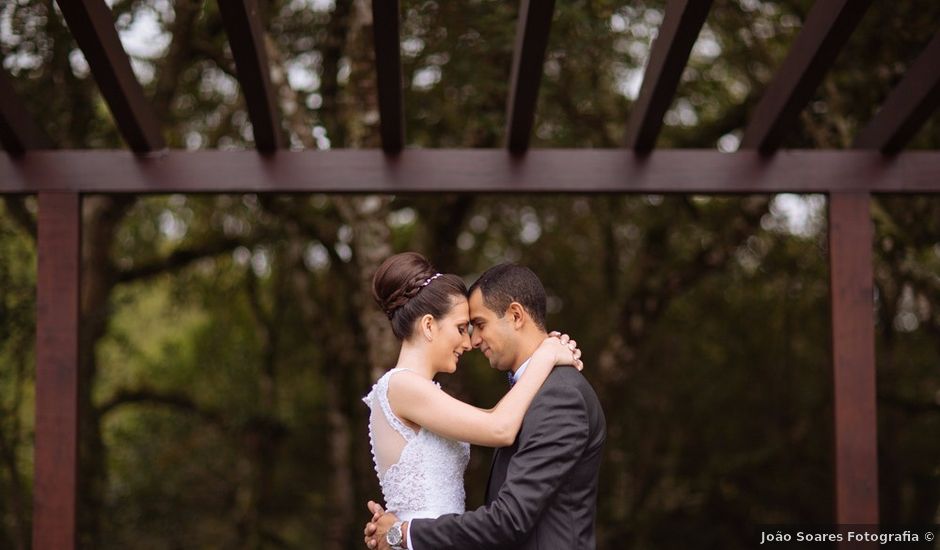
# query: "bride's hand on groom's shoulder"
[[564, 349]]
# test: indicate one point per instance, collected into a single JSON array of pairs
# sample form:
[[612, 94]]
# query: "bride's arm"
[[564, 340], [418, 400]]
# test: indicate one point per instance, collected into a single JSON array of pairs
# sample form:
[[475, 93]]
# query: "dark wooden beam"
[[18, 132], [669, 55], [482, 170], [911, 103], [385, 26], [827, 28], [246, 38], [853, 357], [56, 449], [532, 31], [92, 25]]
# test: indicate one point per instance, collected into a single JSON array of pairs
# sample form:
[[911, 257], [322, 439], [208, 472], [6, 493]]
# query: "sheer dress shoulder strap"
[[393, 420]]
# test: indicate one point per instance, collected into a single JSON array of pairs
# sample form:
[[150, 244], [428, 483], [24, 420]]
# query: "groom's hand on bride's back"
[[377, 527], [376, 510]]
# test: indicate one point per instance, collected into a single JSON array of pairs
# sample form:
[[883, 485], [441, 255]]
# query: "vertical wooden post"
[[56, 448], [853, 355]]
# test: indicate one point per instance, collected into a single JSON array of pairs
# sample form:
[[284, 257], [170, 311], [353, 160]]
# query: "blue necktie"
[[512, 379]]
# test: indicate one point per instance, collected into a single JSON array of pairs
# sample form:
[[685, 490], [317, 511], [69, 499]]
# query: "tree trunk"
[[370, 243], [101, 216]]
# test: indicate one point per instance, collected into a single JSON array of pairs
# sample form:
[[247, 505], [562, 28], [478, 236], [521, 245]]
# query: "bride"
[[420, 435]]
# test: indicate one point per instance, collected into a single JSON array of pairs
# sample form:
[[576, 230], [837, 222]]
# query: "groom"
[[542, 490]]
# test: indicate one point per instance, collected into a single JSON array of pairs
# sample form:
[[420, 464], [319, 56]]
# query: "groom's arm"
[[553, 438]]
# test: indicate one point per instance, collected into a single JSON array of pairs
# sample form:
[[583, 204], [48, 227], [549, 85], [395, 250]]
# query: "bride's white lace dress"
[[421, 473]]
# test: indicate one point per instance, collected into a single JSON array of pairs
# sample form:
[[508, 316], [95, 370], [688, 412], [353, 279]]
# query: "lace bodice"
[[421, 473]]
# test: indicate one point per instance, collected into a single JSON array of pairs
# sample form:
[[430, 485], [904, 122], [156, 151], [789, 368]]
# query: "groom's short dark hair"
[[506, 283]]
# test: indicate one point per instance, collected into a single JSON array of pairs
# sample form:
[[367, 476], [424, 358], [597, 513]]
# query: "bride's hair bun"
[[406, 286], [398, 279]]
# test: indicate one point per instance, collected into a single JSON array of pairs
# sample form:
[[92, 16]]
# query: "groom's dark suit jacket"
[[542, 492]]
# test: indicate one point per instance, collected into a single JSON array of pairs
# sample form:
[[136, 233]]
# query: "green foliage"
[[17, 378]]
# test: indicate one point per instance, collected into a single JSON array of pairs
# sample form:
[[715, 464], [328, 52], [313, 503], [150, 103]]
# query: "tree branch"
[[318, 228], [182, 257], [175, 400], [651, 302], [907, 405]]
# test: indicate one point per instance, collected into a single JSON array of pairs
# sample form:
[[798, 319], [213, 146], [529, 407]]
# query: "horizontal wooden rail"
[[471, 170]]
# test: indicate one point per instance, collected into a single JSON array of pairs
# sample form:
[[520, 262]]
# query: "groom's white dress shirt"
[[515, 378], [518, 374]]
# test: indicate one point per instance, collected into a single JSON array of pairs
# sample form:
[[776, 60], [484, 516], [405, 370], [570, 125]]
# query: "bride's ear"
[[427, 327]]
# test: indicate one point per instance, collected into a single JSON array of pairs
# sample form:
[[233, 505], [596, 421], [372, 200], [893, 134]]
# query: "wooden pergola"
[[848, 177]]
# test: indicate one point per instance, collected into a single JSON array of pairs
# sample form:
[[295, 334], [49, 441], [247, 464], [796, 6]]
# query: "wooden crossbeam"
[[853, 357], [910, 104], [18, 132], [385, 25], [481, 170], [669, 55], [246, 38], [532, 31], [57, 315], [92, 25], [827, 28]]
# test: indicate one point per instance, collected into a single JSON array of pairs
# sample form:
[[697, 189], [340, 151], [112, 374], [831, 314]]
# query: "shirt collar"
[[518, 374]]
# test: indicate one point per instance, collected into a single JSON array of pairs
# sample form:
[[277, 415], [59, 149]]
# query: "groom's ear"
[[517, 315]]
